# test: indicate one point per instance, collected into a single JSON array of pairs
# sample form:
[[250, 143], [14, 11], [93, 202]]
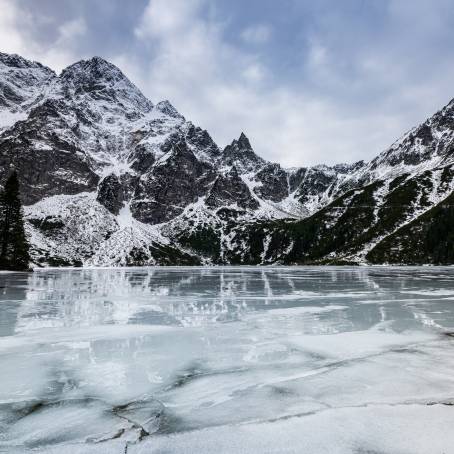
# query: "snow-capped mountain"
[[23, 84], [109, 178]]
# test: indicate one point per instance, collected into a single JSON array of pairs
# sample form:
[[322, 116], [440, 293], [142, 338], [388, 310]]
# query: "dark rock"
[[47, 164], [175, 181], [202, 143], [296, 177], [111, 193], [424, 134], [317, 180], [229, 189], [114, 191], [143, 159], [275, 183], [166, 108]]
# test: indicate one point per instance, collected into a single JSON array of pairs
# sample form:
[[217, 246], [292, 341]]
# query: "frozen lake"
[[228, 360]]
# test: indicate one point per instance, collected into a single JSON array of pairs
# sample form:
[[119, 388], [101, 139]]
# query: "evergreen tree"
[[14, 247]]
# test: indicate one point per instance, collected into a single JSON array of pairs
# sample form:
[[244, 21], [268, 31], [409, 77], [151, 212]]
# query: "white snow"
[[89, 233], [124, 217], [8, 118]]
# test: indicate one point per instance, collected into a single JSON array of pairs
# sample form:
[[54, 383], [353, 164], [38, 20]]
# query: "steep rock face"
[[114, 191], [318, 180], [111, 193], [229, 189], [89, 121], [296, 178], [175, 181], [108, 114], [47, 163], [167, 109], [201, 144], [274, 183], [321, 184]]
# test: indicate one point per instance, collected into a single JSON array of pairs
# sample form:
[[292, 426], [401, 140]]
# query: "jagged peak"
[[241, 153], [16, 61], [201, 142], [449, 105], [167, 108], [175, 151], [95, 74], [190, 128], [92, 62], [97, 60], [243, 141], [94, 68]]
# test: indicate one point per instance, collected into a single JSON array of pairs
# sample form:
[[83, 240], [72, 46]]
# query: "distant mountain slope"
[[109, 178], [371, 224]]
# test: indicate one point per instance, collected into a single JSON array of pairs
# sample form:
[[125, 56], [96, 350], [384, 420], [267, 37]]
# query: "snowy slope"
[[78, 231]]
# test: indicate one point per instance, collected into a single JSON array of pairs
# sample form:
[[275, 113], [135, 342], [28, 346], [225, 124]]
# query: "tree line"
[[14, 247]]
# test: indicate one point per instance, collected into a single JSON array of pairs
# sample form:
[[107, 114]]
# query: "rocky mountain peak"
[[243, 142], [102, 80], [16, 61], [201, 143], [167, 109], [23, 84], [95, 68], [241, 154]]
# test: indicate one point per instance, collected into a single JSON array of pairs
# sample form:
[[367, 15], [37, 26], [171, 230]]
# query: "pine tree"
[[14, 247]]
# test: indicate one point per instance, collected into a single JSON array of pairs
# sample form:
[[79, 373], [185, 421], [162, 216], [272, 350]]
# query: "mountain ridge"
[[97, 158]]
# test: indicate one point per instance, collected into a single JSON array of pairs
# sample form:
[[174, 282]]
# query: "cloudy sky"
[[309, 81]]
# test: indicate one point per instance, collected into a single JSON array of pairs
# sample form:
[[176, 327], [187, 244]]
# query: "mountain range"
[[109, 178]]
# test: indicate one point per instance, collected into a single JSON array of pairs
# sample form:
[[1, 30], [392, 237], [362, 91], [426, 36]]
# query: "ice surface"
[[227, 360]]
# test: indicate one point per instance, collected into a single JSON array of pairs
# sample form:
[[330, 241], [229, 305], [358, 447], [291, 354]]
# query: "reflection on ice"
[[173, 359]]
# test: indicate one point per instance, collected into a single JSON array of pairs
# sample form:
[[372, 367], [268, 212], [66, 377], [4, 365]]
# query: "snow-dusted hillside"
[[110, 178]]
